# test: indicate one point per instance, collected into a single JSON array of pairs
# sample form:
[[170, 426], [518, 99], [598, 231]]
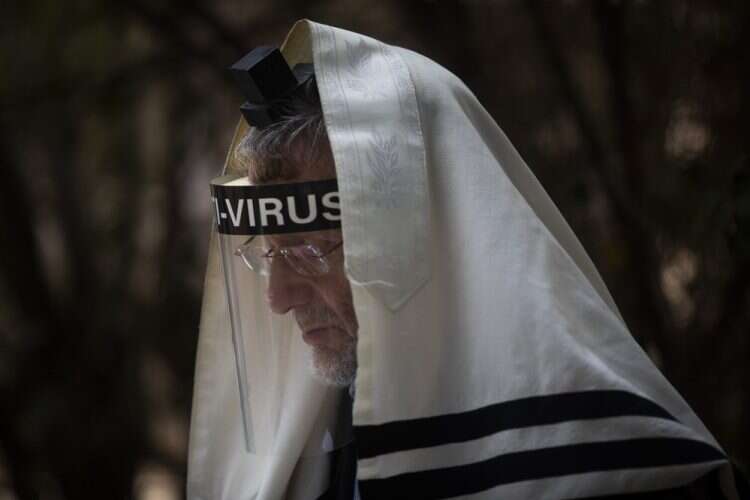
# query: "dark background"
[[114, 116]]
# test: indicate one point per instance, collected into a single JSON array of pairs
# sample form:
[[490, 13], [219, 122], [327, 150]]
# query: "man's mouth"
[[320, 335]]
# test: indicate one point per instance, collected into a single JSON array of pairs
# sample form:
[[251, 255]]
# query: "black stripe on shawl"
[[539, 464], [374, 440]]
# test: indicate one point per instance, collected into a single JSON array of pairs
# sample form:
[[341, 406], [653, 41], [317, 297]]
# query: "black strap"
[[343, 473]]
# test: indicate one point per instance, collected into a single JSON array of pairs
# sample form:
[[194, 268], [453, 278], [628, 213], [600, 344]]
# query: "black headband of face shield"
[[265, 79], [293, 207]]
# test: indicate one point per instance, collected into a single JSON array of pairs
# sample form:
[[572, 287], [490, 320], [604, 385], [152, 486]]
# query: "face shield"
[[293, 327]]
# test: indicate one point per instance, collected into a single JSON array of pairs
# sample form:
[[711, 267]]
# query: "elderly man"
[[379, 237], [296, 150]]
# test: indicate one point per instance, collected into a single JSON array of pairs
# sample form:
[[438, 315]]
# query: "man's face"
[[321, 305]]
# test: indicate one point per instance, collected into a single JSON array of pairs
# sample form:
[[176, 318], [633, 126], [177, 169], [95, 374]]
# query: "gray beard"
[[335, 368]]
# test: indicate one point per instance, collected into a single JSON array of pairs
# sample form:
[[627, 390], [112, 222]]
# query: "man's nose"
[[286, 288]]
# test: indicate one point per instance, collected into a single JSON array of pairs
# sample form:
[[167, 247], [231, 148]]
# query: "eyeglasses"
[[306, 259]]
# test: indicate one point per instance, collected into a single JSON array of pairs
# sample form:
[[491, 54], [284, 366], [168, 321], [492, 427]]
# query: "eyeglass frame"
[[284, 251]]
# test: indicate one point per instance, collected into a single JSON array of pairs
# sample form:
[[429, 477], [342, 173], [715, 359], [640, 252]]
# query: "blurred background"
[[115, 115]]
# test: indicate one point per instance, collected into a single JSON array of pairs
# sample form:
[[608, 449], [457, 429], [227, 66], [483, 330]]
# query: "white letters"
[[331, 201], [250, 212], [235, 216], [323, 208], [216, 207], [313, 207], [265, 212]]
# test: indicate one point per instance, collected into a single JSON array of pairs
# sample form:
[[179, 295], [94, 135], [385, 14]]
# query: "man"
[[400, 246], [296, 148]]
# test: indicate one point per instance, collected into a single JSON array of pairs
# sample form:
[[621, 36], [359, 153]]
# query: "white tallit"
[[493, 362]]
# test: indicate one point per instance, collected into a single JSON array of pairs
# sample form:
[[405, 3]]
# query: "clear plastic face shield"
[[292, 317]]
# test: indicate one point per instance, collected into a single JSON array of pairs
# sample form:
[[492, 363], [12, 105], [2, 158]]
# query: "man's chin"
[[334, 368]]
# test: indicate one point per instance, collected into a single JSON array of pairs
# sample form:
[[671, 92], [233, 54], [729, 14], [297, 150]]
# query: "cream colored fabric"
[[219, 466], [473, 297]]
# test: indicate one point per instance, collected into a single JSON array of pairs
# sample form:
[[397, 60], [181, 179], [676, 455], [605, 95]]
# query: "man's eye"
[[321, 244], [268, 254]]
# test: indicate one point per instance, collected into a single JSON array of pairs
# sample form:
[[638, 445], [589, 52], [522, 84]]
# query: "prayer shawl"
[[493, 362]]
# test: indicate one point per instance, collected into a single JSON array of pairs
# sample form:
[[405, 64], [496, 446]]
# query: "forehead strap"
[[294, 207]]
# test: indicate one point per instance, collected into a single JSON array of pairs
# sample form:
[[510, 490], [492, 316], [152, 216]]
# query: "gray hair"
[[297, 141]]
